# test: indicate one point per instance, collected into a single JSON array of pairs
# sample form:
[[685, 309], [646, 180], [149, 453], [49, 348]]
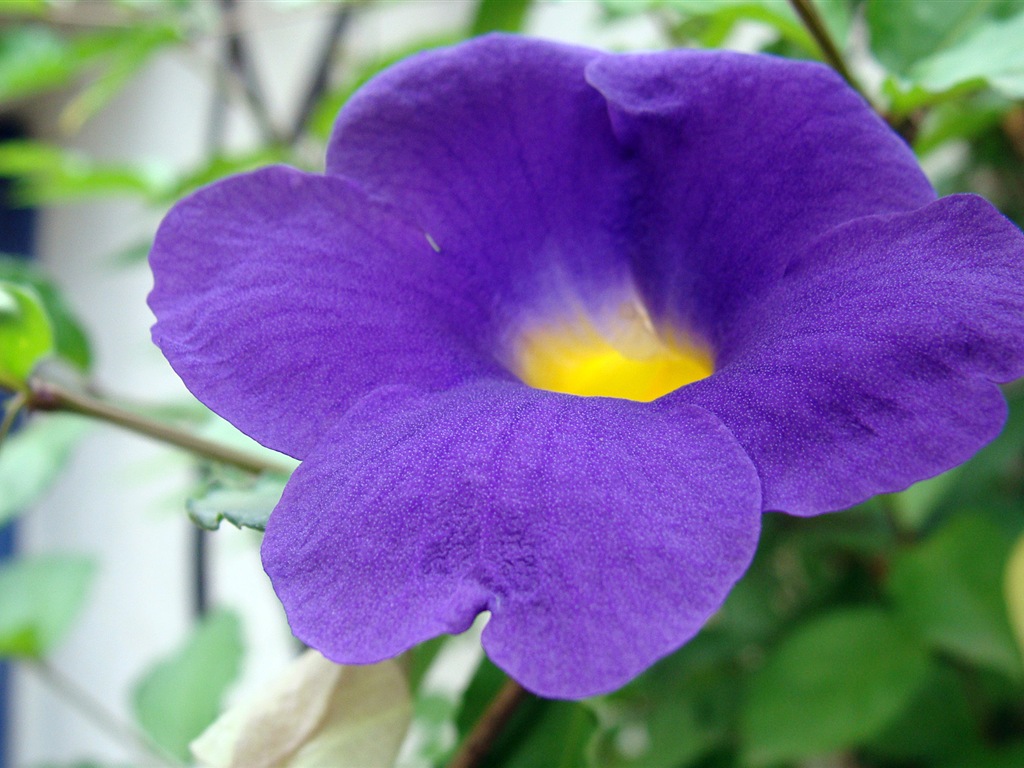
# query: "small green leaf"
[[26, 336], [904, 32], [70, 341], [499, 16], [32, 58], [1013, 589], [950, 588], [180, 696], [832, 684], [31, 458], [39, 598], [246, 503]]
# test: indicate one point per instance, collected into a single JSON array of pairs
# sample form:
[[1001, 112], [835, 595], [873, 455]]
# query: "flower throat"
[[628, 360]]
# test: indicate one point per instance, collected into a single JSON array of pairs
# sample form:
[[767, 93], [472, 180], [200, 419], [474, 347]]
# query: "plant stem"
[[13, 407], [322, 76], [829, 50], [48, 396], [82, 701], [480, 740]]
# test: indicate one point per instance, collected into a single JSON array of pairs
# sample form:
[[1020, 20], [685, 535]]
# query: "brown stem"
[[480, 740], [829, 50], [49, 396]]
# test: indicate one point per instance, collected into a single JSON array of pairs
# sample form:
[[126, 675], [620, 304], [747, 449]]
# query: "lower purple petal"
[[601, 534]]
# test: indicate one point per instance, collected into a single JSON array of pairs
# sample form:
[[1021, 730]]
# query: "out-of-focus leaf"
[[47, 173], [676, 712], [937, 725], [950, 588], [990, 55], [32, 58], [181, 695], [26, 336], [126, 58], [904, 32], [245, 503], [31, 458], [1013, 590], [70, 341], [316, 714], [1009, 756], [39, 598], [834, 683], [499, 16]]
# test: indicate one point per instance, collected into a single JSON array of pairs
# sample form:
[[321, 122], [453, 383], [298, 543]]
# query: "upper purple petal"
[[739, 162], [599, 533], [870, 366], [282, 296], [504, 154]]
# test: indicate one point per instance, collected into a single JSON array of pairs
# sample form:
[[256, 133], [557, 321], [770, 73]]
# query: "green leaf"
[[245, 502], [32, 58], [904, 32], [499, 16], [26, 336], [676, 712], [31, 458], [39, 598], [1013, 590], [832, 684], [180, 696], [70, 341], [992, 55], [950, 589], [47, 173]]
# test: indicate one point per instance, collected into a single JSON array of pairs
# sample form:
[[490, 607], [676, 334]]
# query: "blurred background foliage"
[[890, 635]]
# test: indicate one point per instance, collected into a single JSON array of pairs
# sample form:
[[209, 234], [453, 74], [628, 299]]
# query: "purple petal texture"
[[870, 364], [366, 321], [575, 521]]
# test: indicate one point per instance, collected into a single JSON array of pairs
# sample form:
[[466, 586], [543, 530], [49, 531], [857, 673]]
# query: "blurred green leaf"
[[47, 173], [26, 336], [181, 695], [32, 58], [937, 725], [676, 712], [1007, 756], [950, 588], [907, 31], [31, 458], [39, 598], [499, 16], [70, 341], [1013, 591], [245, 502], [219, 167], [832, 684], [991, 55]]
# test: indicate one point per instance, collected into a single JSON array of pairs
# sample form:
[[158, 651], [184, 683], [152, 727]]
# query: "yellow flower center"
[[628, 360]]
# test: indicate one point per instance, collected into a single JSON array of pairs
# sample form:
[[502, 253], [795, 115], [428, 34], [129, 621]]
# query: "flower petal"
[[502, 152], [281, 297], [870, 366], [741, 161], [600, 533]]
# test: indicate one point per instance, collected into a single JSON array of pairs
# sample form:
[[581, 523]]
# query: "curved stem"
[[14, 406], [48, 396], [829, 50], [79, 698], [487, 729]]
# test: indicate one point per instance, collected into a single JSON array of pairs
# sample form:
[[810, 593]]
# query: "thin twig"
[[487, 729], [13, 407], [48, 396], [829, 50], [322, 76], [240, 64], [83, 702]]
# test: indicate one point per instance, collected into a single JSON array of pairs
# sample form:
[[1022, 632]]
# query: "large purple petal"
[[282, 296], [501, 151], [600, 533], [740, 161], [870, 365]]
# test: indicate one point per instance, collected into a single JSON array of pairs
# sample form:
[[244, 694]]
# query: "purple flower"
[[508, 224]]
